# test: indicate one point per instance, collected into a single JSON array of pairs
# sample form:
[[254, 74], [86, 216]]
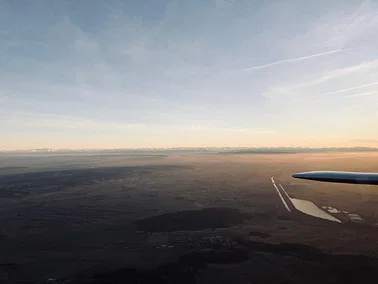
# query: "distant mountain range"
[[222, 150], [293, 150]]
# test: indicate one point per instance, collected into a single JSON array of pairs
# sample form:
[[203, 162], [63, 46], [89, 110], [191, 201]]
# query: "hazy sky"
[[156, 73]]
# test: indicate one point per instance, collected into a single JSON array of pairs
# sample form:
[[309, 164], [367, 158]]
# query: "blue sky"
[[119, 74]]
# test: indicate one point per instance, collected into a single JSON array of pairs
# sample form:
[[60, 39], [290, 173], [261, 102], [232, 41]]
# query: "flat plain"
[[72, 216]]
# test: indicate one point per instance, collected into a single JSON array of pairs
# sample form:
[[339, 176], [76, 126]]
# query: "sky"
[[157, 73]]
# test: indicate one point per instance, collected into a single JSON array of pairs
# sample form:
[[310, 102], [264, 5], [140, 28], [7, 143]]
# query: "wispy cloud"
[[345, 27], [353, 107], [297, 59], [338, 72], [220, 4], [63, 122], [59, 122], [362, 94], [299, 90], [213, 130], [252, 130], [177, 69], [346, 90]]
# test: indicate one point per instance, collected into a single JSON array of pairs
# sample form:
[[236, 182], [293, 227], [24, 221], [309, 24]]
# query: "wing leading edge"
[[340, 177]]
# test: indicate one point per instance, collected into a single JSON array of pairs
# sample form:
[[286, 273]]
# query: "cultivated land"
[[82, 217]]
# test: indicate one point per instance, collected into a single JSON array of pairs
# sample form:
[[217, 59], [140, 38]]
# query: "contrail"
[[345, 90], [294, 59], [361, 94]]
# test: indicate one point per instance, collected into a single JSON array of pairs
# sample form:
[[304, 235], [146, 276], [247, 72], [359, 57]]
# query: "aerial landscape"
[[188, 141], [184, 216]]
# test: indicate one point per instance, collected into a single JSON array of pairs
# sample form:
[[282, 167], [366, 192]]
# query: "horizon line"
[[186, 147]]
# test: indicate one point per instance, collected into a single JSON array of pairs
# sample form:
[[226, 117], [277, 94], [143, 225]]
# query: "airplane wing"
[[340, 177]]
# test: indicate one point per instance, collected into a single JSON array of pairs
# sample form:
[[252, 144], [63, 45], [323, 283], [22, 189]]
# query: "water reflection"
[[310, 208]]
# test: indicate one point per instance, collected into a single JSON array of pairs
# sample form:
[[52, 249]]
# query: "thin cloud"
[[294, 90], [361, 94], [136, 69], [352, 107], [330, 75], [251, 130], [294, 59], [346, 90], [63, 122], [344, 26], [208, 129], [223, 3]]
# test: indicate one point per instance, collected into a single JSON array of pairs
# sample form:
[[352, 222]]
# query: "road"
[[301, 208], [283, 196]]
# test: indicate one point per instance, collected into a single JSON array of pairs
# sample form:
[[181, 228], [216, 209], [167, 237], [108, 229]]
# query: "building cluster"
[[166, 246], [355, 218], [57, 281], [344, 216], [207, 242]]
